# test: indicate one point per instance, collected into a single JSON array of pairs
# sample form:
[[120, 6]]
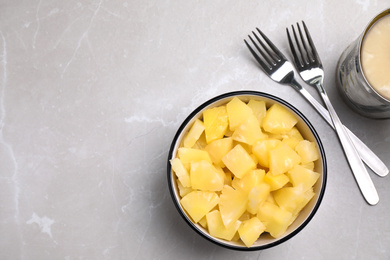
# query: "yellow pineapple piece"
[[216, 123], [245, 216], [189, 155], [183, 190], [278, 120], [249, 131], [205, 177], [271, 199], [236, 236], [250, 180], [201, 142], [293, 199], [294, 133], [274, 136], [181, 172], [193, 135], [309, 165], [218, 229], [225, 176], [203, 222], [247, 147], [262, 148], [292, 137], [232, 205], [217, 149], [238, 112], [257, 196], [229, 133], [282, 159], [198, 203], [300, 175], [250, 230], [228, 177], [259, 109], [275, 219], [276, 181], [291, 141], [307, 151], [238, 161]]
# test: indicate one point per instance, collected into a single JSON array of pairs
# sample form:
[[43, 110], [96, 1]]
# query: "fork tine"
[[305, 51], [255, 55], [276, 51], [269, 58], [311, 44], [297, 60]]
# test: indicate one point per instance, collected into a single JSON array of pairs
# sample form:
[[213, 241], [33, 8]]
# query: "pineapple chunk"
[[292, 138], [215, 122], [309, 165], [245, 216], [189, 155], [271, 199], [183, 190], [257, 196], [217, 149], [249, 181], [293, 199], [247, 147], [262, 148], [201, 142], [232, 205], [307, 151], [181, 172], [282, 159], [238, 112], [198, 203], [238, 161], [291, 141], [259, 109], [275, 219], [205, 177], [203, 222], [218, 229], [249, 131], [194, 134], [228, 177], [278, 120], [275, 136], [294, 133], [300, 175], [250, 230], [276, 181]]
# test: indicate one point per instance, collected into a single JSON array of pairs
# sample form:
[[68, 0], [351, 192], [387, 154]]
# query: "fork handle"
[[361, 175], [365, 153]]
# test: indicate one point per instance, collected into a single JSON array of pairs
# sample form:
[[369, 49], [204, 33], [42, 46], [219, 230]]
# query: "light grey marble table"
[[92, 93]]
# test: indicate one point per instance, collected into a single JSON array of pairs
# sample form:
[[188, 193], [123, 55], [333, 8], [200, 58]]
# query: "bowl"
[[308, 132]]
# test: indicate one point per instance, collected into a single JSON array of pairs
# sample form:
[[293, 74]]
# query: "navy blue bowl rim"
[[250, 93]]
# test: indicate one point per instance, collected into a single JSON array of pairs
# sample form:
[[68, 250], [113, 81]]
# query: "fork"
[[278, 68], [309, 66]]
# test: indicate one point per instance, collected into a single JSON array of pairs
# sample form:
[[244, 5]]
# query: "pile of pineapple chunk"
[[244, 169]]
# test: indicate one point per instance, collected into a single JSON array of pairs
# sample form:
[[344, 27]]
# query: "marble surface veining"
[[92, 93]]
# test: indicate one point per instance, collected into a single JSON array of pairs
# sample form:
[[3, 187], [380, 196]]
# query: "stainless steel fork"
[[310, 69], [276, 66]]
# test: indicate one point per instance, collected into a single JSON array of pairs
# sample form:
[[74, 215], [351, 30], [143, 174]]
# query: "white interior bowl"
[[307, 131]]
